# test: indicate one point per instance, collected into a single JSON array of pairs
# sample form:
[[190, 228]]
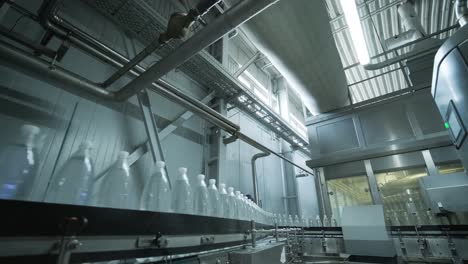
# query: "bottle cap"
[[222, 185], [230, 189], [160, 164], [238, 193], [201, 177], [212, 181], [182, 170], [123, 155], [30, 129]]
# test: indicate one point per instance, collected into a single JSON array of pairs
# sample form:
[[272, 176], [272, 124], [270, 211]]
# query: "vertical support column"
[[225, 51], [291, 199], [151, 128], [217, 149], [430, 164], [374, 188], [283, 98], [322, 189]]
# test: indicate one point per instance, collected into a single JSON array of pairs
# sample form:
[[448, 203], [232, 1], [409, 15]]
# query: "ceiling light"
[[355, 29]]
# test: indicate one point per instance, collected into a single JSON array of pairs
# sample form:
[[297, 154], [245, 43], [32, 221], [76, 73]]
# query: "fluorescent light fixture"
[[355, 29]]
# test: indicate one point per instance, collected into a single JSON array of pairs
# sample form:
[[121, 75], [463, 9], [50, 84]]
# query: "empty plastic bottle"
[[233, 207], [200, 201], [297, 221], [117, 185], [215, 202], [326, 222], [182, 194], [318, 221], [158, 195], [240, 206], [74, 181], [290, 220], [18, 163], [224, 201]]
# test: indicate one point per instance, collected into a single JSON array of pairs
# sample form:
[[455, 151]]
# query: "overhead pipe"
[[461, 11], [231, 19], [228, 21], [98, 49], [63, 79], [254, 174]]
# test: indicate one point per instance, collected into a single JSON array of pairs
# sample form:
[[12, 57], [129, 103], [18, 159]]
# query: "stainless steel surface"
[[411, 123], [263, 253], [254, 174], [301, 47], [449, 85], [228, 21], [365, 232], [447, 191], [461, 10]]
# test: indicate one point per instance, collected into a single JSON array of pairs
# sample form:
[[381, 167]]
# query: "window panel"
[[349, 191], [401, 195]]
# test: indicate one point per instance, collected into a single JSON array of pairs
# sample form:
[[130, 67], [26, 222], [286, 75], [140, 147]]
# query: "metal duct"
[[411, 23], [461, 11], [295, 35]]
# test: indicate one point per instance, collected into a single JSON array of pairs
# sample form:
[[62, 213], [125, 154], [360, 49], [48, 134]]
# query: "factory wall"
[[67, 120]]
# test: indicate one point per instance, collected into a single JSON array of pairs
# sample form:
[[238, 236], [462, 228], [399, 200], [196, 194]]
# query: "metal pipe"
[[228, 21], [461, 11], [406, 45], [133, 62], [263, 148], [247, 64], [254, 174], [52, 74], [98, 49], [409, 55], [27, 43]]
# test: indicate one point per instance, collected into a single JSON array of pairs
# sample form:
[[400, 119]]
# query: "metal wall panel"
[[337, 136], [401, 161], [348, 169], [386, 123]]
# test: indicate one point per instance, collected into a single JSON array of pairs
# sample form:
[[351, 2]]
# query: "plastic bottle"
[[290, 220], [117, 185], [326, 222], [182, 194], [73, 182], [318, 221], [233, 207], [297, 221], [158, 195], [224, 201], [214, 199], [200, 201], [18, 163], [240, 206]]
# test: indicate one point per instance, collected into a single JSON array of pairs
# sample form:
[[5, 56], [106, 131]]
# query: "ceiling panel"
[[380, 21]]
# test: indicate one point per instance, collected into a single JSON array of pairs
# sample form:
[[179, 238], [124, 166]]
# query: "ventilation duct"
[[295, 35], [412, 25]]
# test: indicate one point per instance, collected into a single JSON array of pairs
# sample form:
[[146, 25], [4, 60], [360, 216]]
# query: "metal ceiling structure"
[[146, 19], [380, 21]]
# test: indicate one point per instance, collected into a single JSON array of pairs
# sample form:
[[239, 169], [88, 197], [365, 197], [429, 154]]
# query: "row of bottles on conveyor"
[[296, 221], [74, 183]]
